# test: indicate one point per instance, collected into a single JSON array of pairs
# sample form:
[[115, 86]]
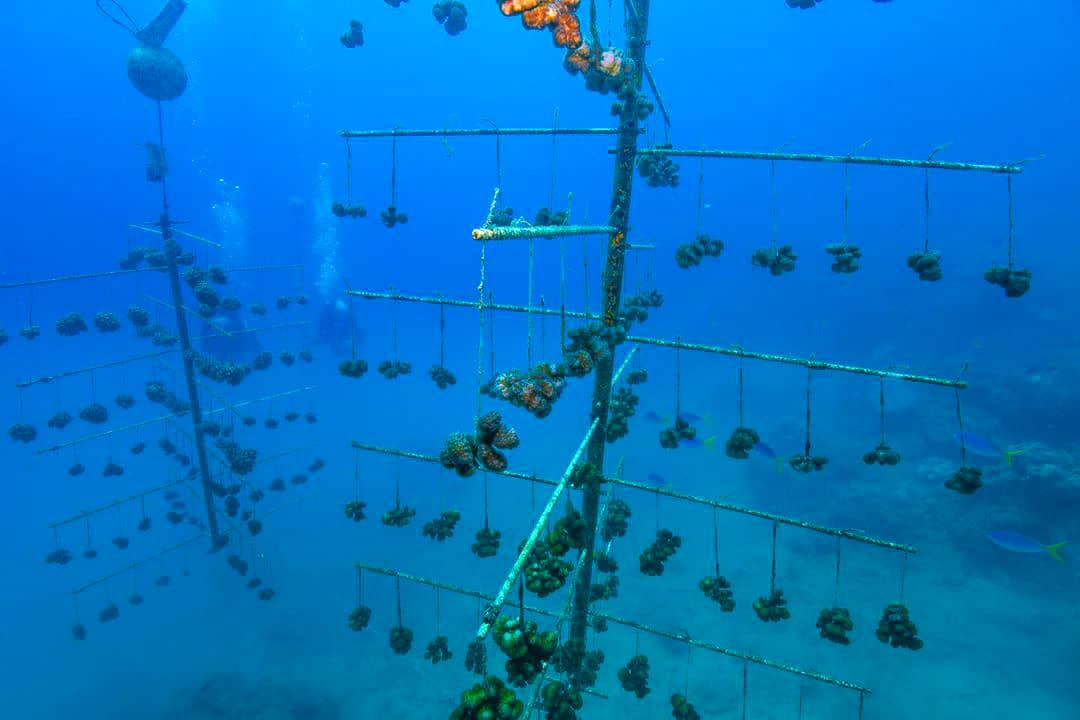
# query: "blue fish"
[[765, 450], [983, 447], [656, 480], [691, 417], [1019, 543], [693, 442], [652, 417]]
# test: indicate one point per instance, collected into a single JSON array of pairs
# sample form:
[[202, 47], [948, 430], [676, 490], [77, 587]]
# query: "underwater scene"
[[522, 359]]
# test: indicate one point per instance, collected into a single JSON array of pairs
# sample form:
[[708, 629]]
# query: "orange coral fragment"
[[555, 14]]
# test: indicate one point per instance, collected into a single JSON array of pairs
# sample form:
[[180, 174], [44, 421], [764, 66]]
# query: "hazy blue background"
[[270, 85]]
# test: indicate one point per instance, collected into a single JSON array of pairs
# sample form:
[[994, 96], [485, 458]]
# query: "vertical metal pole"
[[172, 249], [637, 22]]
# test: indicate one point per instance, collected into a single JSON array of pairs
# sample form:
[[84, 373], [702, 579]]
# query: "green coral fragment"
[[401, 640], [525, 646], [772, 608], [438, 650], [489, 700], [897, 629], [681, 709], [718, 589], [561, 702], [359, 618], [834, 624], [634, 676]]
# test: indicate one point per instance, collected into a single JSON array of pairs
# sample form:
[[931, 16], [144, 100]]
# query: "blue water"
[[255, 157]]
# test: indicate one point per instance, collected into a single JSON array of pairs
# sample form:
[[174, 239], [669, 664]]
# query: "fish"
[[652, 416], [692, 417], [692, 442], [765, 450], [656, 479], [983, 447], [1019, 543]]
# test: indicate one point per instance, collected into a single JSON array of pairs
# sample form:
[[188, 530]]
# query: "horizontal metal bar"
[[755, 659], [165, 418], [677, 637], [472, 305], [840, 159], [81, 276], [82, 515], [475, 132], [46, 379], [173, 548], [515, 232], [853, 535], [734, 351]]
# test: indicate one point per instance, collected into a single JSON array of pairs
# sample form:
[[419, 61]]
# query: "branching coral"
[[558, 15]]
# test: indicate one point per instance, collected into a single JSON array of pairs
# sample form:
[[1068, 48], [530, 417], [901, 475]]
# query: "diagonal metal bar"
[[515, 232], [46, 379], [733, 351], [649, 629], [838, 159], [81, 276], [472, 305]]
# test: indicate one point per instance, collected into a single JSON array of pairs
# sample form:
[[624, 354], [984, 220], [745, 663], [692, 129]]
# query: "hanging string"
[[960, 422], [1008, 180], [689, 656], [438, 610], [585, 265], [926, 239], [348, 171], [611, 21], [716, 545], [529, 315], [397, 484], [836, 586], [442, 332], [491, 330], [393, 169], [359, 587], [562, 295], [802, 691], [772, 190], [678, 378], [700, 197], [554, 148], [741, 388], [772, 570], [399, 621], [356, 472], [393, 326], [847, 192], [543, 328], [130, 25], [862, 700], [656, 509], [881, 401], [480, 344], [745, 689], [521, 600], [903, 577], [809, 374], [486, 525], [637, 642]]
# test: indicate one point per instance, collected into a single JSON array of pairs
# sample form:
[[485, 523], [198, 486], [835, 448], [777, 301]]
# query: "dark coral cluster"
[[30, 332], [772, 608], [927, 265], [94, 413], [219, 370], [718, 589], [545, 570], [60, 420], [398, 516], [572, 657], [351, 38], [635, 309], [241, 460], [659, 552], [881, 455], [548, 217], [442, 527], [835, 624], [451, 14], [634, 676], [138, 316], [1015, 283], [617, 520], [487, 542], [401, 639], [624, 404], [438, 650], [560, 701], [157, 393], [670, 437], [71, 325], [777, 260], [897, 629], [476, 657], [966, 480], [359, 618], [353, 368], [393, 369], [391, 216], [637, 376], [106, 322], [807, 463], [354, 510], [22, 432], [659, 170], [689, 255], [442, 377], [464, 454], [845, 257], [535, 390], [525, 646], [682, 709], [489, 700], [741, 442]]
